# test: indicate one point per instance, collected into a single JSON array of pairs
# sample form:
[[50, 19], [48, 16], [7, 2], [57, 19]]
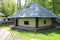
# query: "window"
[[4, 19], [26, 22], [44, 21]]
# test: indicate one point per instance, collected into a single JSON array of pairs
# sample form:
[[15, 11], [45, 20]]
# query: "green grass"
[[58, 27], [5, 27], [42, 35], [58, 14]]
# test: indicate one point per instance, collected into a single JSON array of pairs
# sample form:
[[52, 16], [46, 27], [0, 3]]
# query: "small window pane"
[[44, 21], [26, 22]]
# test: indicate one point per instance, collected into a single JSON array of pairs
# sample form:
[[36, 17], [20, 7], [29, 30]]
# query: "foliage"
[[8, 7], [52, 5], [0, 6]]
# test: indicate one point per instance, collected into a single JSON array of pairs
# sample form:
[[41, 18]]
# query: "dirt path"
[[5, 35]]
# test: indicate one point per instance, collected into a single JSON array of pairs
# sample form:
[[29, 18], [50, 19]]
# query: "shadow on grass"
[[45, 32], [56, 31]]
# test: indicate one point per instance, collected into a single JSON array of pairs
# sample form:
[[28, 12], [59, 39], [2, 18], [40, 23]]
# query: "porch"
[[33, 29]]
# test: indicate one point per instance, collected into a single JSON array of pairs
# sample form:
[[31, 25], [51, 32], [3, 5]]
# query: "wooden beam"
[[16, 23], [36, 22]]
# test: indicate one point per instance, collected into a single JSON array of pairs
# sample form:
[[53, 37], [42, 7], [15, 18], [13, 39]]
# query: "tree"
[[25, 2], [52, 5], [19, 4], [1, 5], [9, 7]]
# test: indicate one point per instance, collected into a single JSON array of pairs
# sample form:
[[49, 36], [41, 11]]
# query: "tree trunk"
[[54, 6], [19, 4]]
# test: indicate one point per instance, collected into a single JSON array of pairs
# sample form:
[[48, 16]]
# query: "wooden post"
[[16, 22], [36, 22]]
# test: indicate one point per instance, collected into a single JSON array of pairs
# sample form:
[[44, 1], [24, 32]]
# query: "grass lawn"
[[58, 14], [42, 35]]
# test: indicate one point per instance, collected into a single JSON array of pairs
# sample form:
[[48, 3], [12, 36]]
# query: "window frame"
[[26, 22]]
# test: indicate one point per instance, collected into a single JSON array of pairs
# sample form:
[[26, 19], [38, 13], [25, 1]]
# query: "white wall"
[[31, 22], [41, 22], [1, 18]]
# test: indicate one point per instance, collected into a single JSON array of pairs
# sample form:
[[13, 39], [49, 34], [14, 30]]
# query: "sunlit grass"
[[5, 27], [41, 35], [58, 14]]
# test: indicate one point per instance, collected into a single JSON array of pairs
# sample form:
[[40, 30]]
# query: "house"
[[33, 17], [2, 16]]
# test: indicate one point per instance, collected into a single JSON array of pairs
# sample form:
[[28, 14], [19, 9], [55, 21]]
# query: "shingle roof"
[[1, 14], [34, 10]]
